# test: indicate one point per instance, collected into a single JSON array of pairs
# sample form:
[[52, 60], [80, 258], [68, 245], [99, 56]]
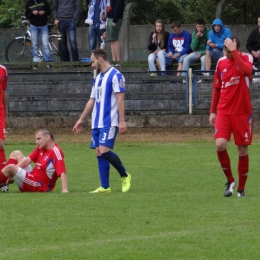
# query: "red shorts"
[[2, 125], [240, 125]]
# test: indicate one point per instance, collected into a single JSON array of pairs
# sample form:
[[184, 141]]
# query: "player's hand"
[[122, 127], [65, 191], [35, 12], [41, 12], [230, 45], [212, 119], [78, 126]]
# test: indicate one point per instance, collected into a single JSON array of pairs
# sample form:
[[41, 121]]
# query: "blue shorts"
[[103, 137]]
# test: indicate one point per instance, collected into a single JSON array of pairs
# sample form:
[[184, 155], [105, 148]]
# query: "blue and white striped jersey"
[[105, 111]]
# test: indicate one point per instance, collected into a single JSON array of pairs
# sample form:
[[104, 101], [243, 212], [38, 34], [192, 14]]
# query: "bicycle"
[[19, 49]]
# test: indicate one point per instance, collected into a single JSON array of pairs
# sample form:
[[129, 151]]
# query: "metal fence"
[[66, 93]]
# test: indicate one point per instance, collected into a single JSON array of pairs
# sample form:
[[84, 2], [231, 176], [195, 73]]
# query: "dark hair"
[[46, 132], [235, 39], [201, 21], [100, 53], [176, 24], [163, 31]]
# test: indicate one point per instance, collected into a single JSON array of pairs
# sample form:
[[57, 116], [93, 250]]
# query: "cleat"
[[126, 182], [229, 188], [4, 188], [241, 194], [101, 190]]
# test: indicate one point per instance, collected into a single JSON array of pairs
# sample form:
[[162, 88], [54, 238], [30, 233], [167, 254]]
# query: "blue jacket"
[[179, 43], [218, 38]]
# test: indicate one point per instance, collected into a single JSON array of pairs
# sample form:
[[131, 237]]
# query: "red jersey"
[[234, 78], [3, 83], [49, 165]]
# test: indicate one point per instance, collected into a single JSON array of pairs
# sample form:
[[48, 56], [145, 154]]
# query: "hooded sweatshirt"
[[219, 38]]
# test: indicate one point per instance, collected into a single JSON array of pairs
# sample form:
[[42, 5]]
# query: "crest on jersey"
[[121, 83], [216, 81]]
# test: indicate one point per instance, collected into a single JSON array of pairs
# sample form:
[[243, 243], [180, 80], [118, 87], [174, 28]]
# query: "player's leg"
[[106, 143], [222, 136], [242, 125]]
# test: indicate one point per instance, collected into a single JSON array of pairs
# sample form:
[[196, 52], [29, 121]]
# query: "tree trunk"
[[220, 8]]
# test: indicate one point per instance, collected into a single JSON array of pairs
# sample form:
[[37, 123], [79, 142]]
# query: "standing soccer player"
[[107, 106], [3, 112], [231, 101]]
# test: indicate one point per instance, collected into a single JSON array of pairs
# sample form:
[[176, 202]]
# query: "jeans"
[[94, 37], [70, 27], [161, 58], [40, 33], [191, 58]]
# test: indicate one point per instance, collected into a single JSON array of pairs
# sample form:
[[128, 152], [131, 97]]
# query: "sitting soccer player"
[[49, 165]]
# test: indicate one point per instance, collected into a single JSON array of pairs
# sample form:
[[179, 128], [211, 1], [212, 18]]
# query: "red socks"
[[224, 160], [243, 166], [2, 159]]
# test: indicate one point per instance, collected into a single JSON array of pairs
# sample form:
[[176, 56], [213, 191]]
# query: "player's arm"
[[121, 111], [5, 102], [25, 162], [244, 67], [64, 182], [87, 110]]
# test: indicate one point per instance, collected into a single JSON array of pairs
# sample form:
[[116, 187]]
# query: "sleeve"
[[47, 8], [4, 76], [186, 44], [170, 45], [92, 94], [34, 155], [166, 40], [249, 43], [59, 164], [118, 83], [28, 12], [151, 46], [210, 39], [55, 9], [194, 42], [215, 100], [77, 10], [119, 9], [244, 65]]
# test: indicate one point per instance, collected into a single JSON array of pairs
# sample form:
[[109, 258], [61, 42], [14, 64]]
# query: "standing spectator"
[[157, 46], [37, 13], [198, 45], [97, 22], [115, 11], [215, 44], [178, 46], [3, 113], [107, 106], [232, 104], [49, 166], [253, 42], [65, 15]]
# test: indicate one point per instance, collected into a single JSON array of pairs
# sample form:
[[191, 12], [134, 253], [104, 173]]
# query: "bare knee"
[[242, 150], [17, 155], [221, 144]]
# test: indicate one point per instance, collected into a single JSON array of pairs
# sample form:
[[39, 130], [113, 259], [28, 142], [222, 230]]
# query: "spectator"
[[108, 118], [198, 46], [215, 44], [178, 46], [49, 166], [253, 42], [37, 13], [157, 46], [97, 22], [231, 112], [115, 11], [65, 15]]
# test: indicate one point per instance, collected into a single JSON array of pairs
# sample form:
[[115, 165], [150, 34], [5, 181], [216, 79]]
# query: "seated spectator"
[[215, 44], [253, 42], [178, 46], [198, 45], [157, 46]]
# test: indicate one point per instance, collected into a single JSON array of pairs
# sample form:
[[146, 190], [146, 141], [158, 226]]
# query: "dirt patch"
[[133, 135]]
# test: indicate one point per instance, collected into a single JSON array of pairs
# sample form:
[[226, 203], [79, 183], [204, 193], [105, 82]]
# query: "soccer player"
[[3, 113], [107, 106], [49, 165], [232, 104]]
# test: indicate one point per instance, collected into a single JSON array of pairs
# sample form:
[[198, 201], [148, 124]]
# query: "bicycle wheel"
[[19, 50], [54, 45]]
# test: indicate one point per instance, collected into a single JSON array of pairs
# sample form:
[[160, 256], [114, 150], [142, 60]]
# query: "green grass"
[[174, 210]]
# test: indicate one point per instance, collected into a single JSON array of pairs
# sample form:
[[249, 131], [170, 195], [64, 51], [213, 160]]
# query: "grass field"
[[175, 208]]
